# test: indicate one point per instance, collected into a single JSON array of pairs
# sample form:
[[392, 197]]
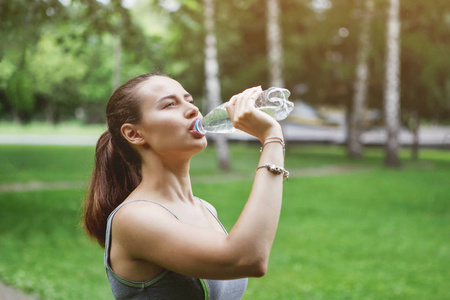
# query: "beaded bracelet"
[[276, 170]]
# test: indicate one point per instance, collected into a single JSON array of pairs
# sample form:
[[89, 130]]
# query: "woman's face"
[[168, 113]]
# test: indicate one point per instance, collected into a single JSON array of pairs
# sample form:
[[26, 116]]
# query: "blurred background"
[[367, 209], [61, 59]]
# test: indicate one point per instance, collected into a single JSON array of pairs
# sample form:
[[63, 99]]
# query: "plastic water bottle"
[[273, 101]]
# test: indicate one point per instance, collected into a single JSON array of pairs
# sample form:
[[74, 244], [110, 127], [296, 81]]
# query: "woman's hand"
[[246, 117]]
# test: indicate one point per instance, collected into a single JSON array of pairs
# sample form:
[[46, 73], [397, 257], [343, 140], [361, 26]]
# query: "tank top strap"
[[111, 216], [206, 205], [109, 225]]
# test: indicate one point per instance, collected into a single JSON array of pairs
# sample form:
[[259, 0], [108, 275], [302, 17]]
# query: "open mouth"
[[192, 126], [195, 130]]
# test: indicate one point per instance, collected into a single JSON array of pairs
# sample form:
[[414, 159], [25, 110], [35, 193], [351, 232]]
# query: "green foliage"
[[54, 82], [20, 92], [70, 50], [93, 88], [426, 65], [8, 65], [22, 20]]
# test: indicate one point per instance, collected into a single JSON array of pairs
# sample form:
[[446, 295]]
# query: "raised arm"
[[149, 232], [254, 232]]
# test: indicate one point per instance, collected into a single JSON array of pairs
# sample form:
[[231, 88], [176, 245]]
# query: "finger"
[[245, 97], [231, 106], [232, 100], [250, 104], [239, 105], [256, 93], [249, 91]]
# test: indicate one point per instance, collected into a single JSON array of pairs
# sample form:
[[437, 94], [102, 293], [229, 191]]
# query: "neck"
[[166, 178]]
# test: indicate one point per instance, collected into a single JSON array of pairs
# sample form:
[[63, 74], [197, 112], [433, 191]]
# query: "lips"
[[195, 132], [191, 127]]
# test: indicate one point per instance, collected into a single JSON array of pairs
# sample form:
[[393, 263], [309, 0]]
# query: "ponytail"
[[113, 179], [117, 170]]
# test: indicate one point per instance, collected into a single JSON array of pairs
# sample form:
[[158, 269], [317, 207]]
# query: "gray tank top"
[[169, 285]]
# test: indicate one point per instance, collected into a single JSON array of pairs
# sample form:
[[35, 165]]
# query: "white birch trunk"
[[392, 88], [117, 64], [355, 127], [212, 84], [274, 44]]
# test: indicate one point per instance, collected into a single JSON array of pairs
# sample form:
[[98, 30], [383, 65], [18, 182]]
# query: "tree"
[[355, 126], [274, 44], [20, 30], [392, 85], [212, 83], [321, 53], [425, 65], [56, 86], [19, 92], [117, 68], [72, 35]]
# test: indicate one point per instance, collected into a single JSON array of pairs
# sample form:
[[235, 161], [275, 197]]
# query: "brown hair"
[[117, 170]]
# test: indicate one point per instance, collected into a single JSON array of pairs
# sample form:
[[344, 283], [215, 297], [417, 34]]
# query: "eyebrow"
[[173, 96]]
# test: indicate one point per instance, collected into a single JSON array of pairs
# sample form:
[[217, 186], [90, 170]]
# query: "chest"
[[198, 216]]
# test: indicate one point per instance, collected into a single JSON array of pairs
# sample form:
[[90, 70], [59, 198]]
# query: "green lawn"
[[373, 234], [65, 128]]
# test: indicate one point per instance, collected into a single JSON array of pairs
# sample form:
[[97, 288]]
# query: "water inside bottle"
[[218, 120], [273, 102]]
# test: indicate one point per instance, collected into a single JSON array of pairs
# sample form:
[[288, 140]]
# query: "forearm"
[[253, 234]]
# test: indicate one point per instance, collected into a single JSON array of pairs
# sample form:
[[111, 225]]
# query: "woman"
[[160, 241]]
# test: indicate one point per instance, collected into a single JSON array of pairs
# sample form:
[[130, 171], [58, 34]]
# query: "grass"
[[43, 249], [377, 234], [74, 163], [69, 163], [65, 128], [381, 234], [45, 163], [380, 237]]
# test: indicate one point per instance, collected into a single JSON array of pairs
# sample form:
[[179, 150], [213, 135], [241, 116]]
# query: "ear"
[[132, 134]]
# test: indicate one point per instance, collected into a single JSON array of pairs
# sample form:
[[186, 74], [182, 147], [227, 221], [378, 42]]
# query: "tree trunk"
[[274, 44], [414, 122], [354, 144], [16, 118], [117, 67], [50, 113], [212, 82], [392, 88]]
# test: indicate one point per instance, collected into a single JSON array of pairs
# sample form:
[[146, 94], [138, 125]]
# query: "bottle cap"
[[199, 127]]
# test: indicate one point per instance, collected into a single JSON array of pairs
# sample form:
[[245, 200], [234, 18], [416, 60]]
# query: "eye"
[[169, 104]]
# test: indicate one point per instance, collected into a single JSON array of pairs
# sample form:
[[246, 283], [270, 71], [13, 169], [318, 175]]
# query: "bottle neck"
[[198, 126]]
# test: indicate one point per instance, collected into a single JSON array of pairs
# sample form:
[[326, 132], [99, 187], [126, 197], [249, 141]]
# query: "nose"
[[192, 112]]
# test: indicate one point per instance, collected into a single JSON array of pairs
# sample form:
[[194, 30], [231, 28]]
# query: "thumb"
[[231, 106]]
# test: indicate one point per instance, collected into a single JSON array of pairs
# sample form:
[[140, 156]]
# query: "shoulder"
[[139, 214], [139, 220], [209, 206], [141, 208]]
